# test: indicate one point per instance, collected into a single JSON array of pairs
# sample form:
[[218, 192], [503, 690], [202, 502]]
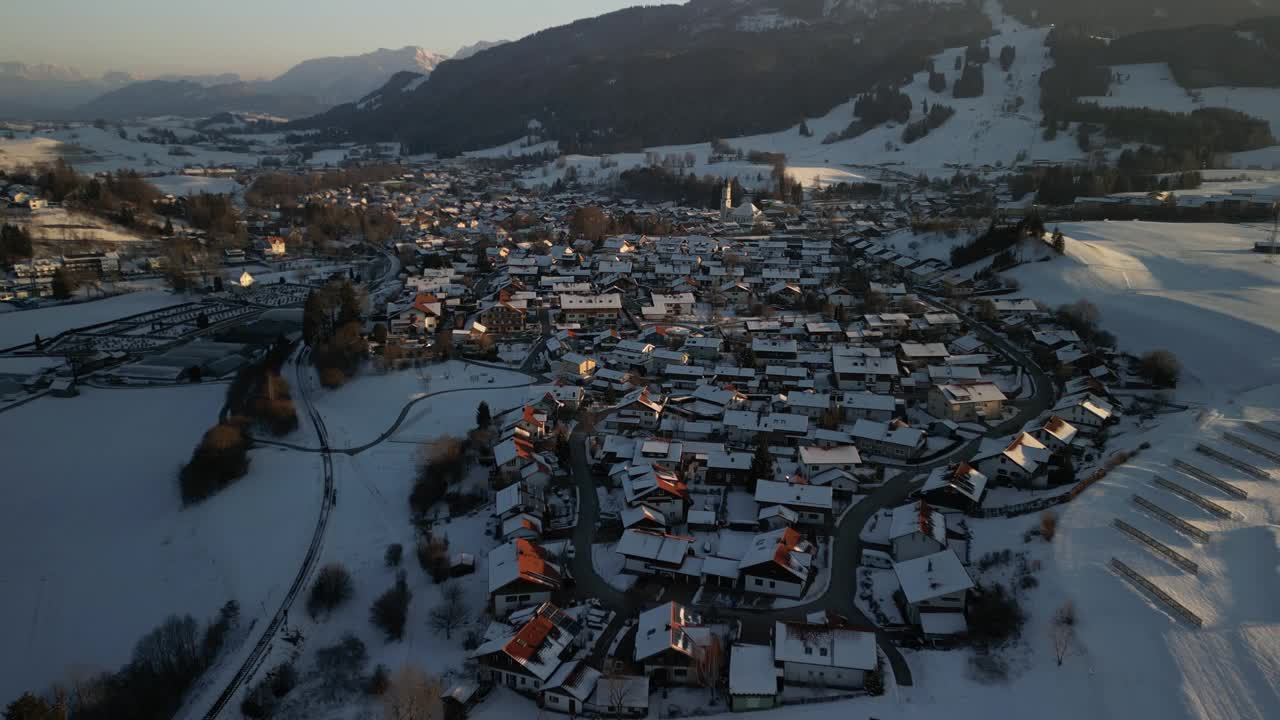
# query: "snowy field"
[[19, 327], [1152, 85], [1196, 289], [183, 185], [92, 150], [360, 411], [58, 224], [96, 547]]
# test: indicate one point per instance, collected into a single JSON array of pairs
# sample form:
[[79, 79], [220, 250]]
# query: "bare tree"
[[451, 612], [1048, 525], [1062, 631], [709, 660], [412, 694], [618, 691]]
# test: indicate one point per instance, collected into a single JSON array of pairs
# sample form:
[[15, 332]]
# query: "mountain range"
[[674, 74], [312, 86]]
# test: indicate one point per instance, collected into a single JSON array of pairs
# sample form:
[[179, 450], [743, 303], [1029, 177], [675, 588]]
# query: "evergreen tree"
[[168, 227], [761, 463], [313, 320], [1059, 242], [348, 304], [64, 284], [483, 416], [30, 707]]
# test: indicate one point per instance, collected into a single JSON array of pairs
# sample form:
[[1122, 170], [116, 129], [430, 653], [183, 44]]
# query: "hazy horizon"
[[263, 38]]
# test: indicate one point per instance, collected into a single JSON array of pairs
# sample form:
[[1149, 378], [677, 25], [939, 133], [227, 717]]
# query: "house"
[[1088, 413], [655, 486], [965, 402], [570, 688], [864, 373], [856, 406], [916, 530], [574, 366], [638, 409], [812, 504], [703, 349], [527, 659], [422, 316], [620, 696], [518, 498], [824, 655], [753, 678], [893, 439], [670, 641], [1016, 463], [779, 562], [521, 574], [504, 317], [814, 460], [591, 309], [935, 588], [959, 487], [646, 552], [1056, 434]]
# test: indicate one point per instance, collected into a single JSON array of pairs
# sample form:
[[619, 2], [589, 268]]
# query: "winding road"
[[846, 552]]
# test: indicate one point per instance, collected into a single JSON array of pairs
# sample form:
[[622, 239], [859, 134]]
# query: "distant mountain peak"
[[468, 50], [335, 80]]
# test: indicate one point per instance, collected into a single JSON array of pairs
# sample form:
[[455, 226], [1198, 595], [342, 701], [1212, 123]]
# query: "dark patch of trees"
[[999, 238], [331, 327], [1007, 55], [15, 244], [937, 115], [656, 184], [221, 458], [1161, 368], [391, 609], [330, 591], [281, 188], [881, 105], [165, 664], [970, 84]]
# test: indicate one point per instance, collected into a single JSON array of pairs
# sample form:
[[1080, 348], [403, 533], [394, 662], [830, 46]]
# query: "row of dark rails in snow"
[[1251, 447], [1210, 479], [1194, 497], [1142, 583], [1160, 548], [1176, 522], [1263, 430], [1244, 467]]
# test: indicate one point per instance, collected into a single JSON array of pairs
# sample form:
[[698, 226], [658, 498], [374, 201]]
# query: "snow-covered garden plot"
[[17, 328], [92, 150], [96, 546], [58, 224], [1196, 289], [367, 406]]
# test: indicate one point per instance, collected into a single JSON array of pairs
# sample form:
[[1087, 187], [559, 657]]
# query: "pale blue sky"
[[262, 37]]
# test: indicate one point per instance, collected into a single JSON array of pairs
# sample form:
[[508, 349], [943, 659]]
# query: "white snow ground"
[[96, 546], [1196, 289]]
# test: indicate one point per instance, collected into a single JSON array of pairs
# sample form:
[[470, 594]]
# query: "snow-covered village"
[[957, 397]]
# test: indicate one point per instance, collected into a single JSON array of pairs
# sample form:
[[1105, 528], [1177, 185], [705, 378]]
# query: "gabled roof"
[[932, 576], [666, 627], [837, 647], [525, 561], [785, 548]]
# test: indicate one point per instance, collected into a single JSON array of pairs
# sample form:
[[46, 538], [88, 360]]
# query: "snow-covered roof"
[[843, 455], [667, 549], [932, 576], [918, 517], [664, 628], [784, 547], [770, 492], [835, 647], [751, 670]]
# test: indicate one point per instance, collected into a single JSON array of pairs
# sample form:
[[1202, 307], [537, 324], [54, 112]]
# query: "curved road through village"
[[846, 552]]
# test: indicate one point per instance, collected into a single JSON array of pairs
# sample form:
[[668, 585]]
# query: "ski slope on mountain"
[[994, 129], [1196, 289]]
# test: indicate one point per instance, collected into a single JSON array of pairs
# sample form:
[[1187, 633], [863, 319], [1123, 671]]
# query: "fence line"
[[1142, 583], [1263, 430], [1226, 459], [1194, 497], [1210, 479], [1169, 553], [1177, 522], [1251, 447]]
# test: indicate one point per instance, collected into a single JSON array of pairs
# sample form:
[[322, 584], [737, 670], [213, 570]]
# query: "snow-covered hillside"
[[1196, 289], [1152, 85], [995, 128]]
